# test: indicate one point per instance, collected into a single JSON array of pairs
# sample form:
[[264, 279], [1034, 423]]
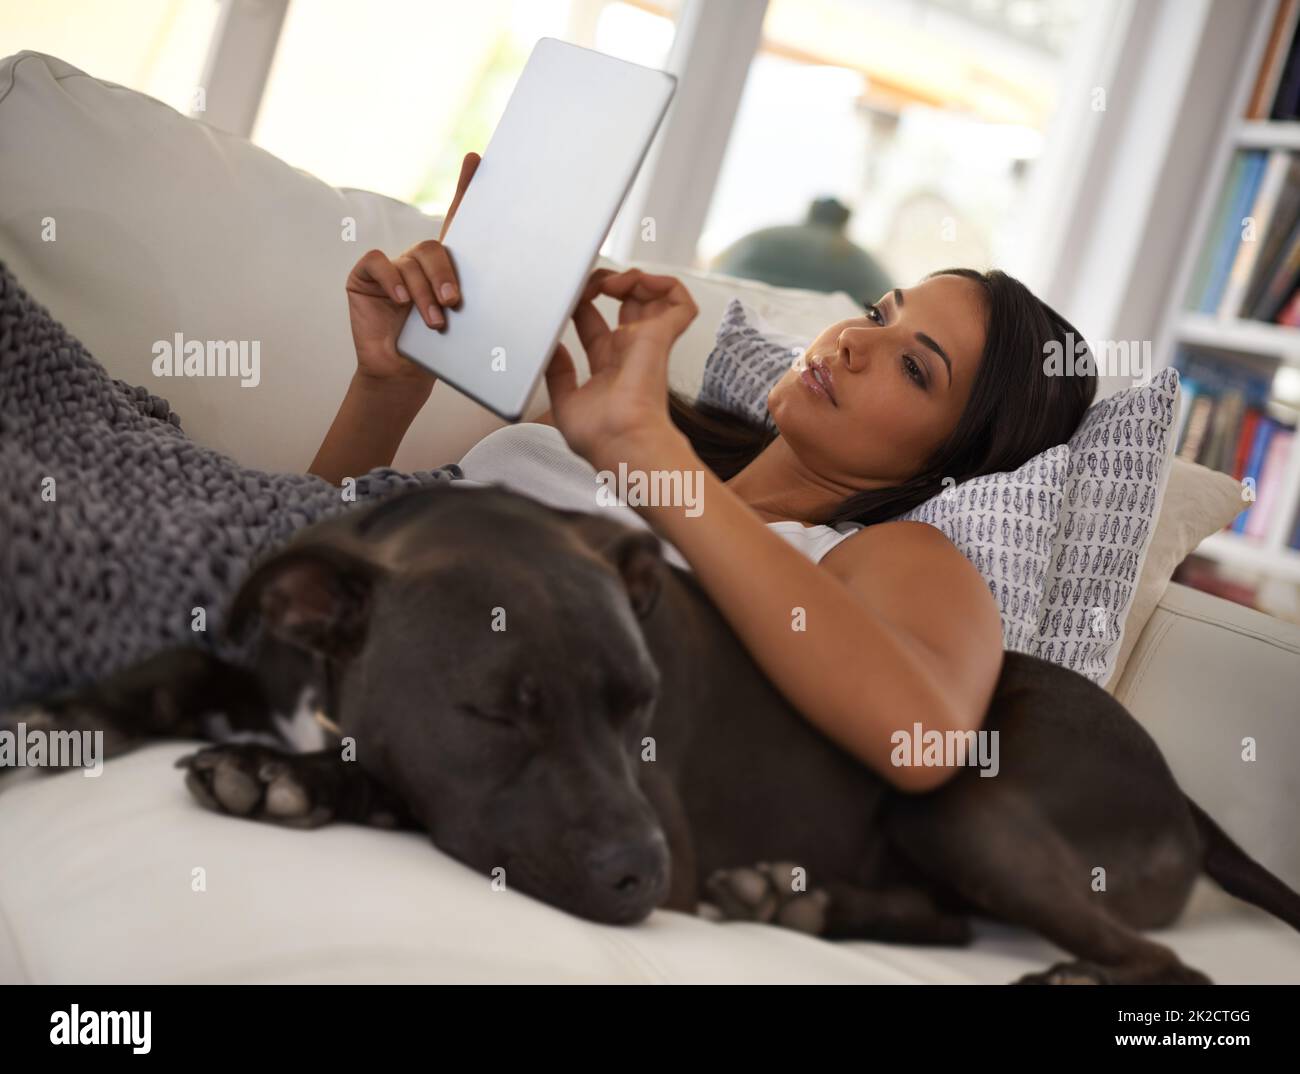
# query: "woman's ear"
[[316, 597]]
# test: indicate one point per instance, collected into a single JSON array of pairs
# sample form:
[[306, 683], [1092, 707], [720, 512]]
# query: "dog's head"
[[491, 669]]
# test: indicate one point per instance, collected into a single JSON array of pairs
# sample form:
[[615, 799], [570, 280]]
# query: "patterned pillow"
[[1118, 470], [747, 359], [1006, 524], [1094, 499]]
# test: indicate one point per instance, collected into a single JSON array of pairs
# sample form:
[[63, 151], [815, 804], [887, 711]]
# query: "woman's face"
[[875, 395]]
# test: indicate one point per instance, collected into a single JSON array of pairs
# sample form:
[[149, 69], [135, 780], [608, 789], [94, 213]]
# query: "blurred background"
[[926, 119]]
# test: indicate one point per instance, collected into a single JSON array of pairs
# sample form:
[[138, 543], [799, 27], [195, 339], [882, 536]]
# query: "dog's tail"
[[1241, 875]]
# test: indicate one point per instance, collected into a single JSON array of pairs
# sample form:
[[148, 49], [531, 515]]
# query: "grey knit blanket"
[[114, 525]]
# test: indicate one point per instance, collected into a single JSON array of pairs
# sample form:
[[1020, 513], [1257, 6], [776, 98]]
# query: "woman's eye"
[[913, 369], [874, 313]]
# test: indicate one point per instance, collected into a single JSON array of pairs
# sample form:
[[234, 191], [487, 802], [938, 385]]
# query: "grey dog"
[[541, 693]]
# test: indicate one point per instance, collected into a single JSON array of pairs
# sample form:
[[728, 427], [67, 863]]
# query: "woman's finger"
[[634, 289], [435, 259], [417, 283], [468, 166], [376, 270], [592, 331], [561, 376], [595, 283], [646, 287]]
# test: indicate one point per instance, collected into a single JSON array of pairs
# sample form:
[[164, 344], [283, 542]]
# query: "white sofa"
[[164, 225]]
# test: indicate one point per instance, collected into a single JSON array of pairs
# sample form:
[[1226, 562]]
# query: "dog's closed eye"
[[523, 701], [491, 716]]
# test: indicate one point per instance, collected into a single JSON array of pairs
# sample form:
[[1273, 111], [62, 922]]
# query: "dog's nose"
[[633, 872]]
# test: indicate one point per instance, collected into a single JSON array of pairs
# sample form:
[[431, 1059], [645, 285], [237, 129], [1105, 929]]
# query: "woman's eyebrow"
[[925, 340]]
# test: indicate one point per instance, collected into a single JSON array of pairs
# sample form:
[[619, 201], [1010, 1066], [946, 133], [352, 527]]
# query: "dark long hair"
[[1015, 409]]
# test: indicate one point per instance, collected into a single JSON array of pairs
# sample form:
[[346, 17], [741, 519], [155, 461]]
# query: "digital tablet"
[[529, 227]]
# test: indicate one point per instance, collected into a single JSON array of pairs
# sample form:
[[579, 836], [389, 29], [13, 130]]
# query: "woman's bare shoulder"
[[916, 577], [902, 543]]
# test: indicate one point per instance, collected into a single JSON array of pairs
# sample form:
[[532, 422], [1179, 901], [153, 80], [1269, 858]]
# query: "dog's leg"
[[298, 790], [837, 910], [168, 695], [990, 846]]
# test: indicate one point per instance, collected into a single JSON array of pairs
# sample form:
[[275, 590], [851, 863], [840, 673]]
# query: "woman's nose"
[[854, 349]]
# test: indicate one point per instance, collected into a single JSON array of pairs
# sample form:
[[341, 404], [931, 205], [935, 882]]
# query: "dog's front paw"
[[767, 893], [255, 782]]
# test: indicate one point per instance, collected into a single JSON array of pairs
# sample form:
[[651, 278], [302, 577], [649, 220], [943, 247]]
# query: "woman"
[[941, 380]]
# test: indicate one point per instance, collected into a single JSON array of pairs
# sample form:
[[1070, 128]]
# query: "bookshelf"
[[1233, 340]]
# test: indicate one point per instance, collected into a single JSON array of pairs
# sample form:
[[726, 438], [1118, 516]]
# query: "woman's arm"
[[901, 630], [368, 429], [388, 390]]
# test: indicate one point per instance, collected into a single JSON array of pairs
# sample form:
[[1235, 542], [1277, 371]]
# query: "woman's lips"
[[818, 378]]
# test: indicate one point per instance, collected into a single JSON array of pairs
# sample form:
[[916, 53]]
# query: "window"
[[926, 118], [157, 47], [390, 95]]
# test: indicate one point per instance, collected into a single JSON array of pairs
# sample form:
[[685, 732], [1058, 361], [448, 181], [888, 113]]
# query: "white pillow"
[[1119, 467]]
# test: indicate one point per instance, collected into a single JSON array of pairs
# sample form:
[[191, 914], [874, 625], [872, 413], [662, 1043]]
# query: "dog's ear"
[[316, 597], [636, 556]]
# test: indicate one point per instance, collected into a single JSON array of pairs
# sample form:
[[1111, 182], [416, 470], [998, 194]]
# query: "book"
[[1229, 239], [1268, 489], [1187, 392], [1270, 71], [1214, 235], [1283, 218], [1197, 424], [1221, 440], [1247, 522], [1285, 276], [1241, 455], [1269, 191], [1286, 100], [1290, 313]]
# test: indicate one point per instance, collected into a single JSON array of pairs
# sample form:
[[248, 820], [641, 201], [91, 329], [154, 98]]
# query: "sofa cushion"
[[354, 904], [1215, 684]]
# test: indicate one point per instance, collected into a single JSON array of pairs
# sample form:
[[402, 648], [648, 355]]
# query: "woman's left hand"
[[623, 406]]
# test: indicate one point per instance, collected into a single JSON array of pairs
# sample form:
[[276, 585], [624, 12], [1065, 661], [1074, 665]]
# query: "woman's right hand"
[[381, 290]]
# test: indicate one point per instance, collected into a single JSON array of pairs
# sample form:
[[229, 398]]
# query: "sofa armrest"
[[1209, 679]]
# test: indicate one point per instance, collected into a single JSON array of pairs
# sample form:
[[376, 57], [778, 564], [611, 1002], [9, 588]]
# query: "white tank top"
[[533, 459]]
